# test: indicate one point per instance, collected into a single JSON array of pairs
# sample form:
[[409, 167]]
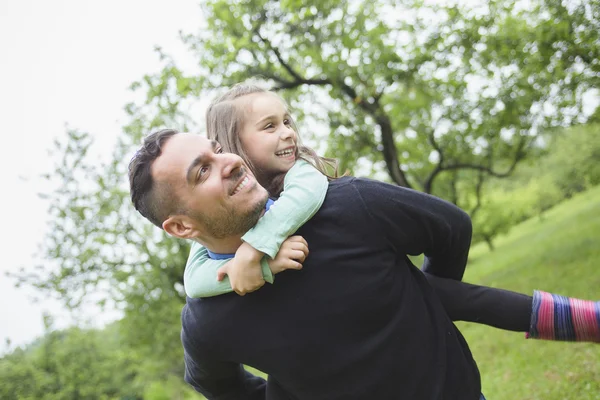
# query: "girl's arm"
[[499, 308], [304, 190], [200, 275], [303, 193]]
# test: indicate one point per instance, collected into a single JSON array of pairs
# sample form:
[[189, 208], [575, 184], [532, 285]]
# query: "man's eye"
[[219, 151], [202, 171]]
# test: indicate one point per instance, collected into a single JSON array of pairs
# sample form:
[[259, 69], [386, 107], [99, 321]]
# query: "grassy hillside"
[[561, 254]]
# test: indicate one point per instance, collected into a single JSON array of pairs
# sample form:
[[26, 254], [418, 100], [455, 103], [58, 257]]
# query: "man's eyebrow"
[[198, 161]]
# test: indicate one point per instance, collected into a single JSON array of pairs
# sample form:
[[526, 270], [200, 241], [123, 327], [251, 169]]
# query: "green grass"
[[560, 254]]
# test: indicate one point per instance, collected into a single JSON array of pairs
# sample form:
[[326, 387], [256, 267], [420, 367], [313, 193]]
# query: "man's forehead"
[[187, 138], [184, 144], [178, 152]]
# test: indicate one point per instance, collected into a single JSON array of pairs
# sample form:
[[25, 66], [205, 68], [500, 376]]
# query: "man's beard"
[[231, 222]]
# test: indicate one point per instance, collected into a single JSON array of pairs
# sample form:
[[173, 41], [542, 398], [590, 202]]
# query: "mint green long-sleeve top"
[[304, 189]]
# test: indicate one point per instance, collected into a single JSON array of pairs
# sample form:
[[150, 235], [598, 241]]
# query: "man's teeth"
[[241, 185], [284, 153]]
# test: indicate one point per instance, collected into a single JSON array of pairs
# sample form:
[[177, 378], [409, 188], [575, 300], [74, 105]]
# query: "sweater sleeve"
[[200, 274], [215, 378], [304, 190], [417, 223]]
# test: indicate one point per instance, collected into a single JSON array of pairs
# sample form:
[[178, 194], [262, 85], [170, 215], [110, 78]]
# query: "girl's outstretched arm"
[[304, 190]]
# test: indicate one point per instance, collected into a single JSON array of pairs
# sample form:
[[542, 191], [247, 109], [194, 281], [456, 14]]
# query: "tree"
[[438, 90], [99, 249], [439, 99], [71, 364]]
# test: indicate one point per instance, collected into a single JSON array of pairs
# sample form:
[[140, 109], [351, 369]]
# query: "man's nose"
[[231, 163]]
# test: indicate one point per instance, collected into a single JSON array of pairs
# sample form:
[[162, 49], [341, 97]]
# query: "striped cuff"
[[555, 317]]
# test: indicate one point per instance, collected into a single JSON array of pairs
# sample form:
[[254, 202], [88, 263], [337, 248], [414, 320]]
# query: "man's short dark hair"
[[152, 199]]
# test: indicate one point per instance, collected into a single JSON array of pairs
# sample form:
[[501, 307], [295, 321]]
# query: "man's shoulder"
[[360, 186], [350, 195]]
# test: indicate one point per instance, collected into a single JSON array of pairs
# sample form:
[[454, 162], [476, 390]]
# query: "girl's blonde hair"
[[225, 119]]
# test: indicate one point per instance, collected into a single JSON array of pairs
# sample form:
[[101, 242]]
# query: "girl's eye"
[[269, 126], [287, 122], [219, 151]]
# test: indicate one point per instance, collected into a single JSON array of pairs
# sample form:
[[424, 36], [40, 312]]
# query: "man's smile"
[[245, 180]]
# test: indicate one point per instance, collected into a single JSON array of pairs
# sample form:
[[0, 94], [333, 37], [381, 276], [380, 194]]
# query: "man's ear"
[[180, 227]]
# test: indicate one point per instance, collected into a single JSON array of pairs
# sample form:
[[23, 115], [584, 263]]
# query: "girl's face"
[[267, 135]]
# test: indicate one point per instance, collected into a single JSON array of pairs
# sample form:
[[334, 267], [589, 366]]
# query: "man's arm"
[[417, 223], [217, 379], [223, 381]]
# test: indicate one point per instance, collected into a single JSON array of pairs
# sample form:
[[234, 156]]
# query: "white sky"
[[65, 62]]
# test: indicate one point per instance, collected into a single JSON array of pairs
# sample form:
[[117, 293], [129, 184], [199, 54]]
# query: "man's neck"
[[222, 246]]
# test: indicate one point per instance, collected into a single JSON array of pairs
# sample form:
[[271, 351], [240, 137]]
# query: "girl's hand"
[[244, 270], [292, 254]]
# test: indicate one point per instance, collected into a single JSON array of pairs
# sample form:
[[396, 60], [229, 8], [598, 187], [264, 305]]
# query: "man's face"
[[218, 193]]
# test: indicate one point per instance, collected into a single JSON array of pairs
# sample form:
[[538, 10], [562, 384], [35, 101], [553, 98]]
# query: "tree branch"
[[294, 84], [275, 51], [427, 187], [478, 189], [390, 153]]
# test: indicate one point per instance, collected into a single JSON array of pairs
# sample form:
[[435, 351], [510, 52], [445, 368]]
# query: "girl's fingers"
[[300, 247], [297, 255], [294, 264], [298, 239]]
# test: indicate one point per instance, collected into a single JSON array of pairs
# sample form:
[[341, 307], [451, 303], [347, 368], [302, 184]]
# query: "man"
[[358, 322]]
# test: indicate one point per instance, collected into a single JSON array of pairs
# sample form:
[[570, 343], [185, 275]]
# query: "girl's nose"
[[287, 133]]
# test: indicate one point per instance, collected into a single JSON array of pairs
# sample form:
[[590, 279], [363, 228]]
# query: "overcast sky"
[[65, 62]]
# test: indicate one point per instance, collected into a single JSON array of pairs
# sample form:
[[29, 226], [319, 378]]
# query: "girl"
[[255, 124]]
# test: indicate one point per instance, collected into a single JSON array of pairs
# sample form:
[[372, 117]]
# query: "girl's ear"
[[180, 227]]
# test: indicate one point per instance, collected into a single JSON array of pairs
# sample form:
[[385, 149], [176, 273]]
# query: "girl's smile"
[[289, 152]]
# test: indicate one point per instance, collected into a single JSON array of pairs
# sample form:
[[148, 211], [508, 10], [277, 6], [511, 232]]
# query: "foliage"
[[421, 90], [570, 164], [71, 364], [99, 249], [493, 218], [574, 163]]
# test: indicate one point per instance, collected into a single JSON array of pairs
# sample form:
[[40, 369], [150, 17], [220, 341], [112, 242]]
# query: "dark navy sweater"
[[359, 321]]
